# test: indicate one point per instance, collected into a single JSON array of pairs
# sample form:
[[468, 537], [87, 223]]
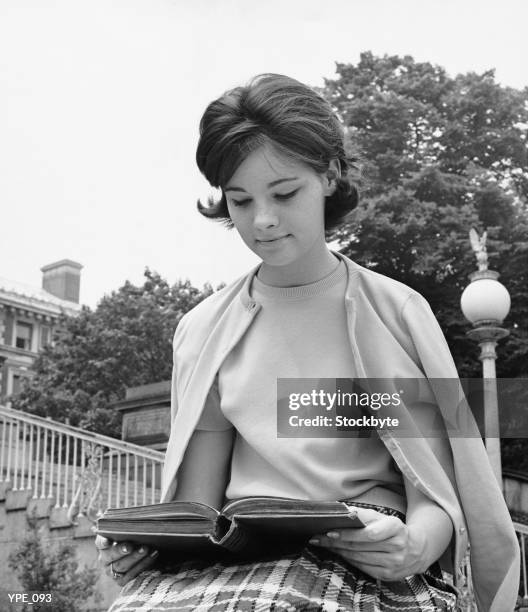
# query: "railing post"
[[83, 454], [23, 472], [44, 458], [118, 491], [127, 476], [153, 483], [37, 464], [9, 451], [52, 464], [110, 478], [66, 474], [74, 468], [15, 474], [135, 480], [30, 462], [144, 481], [59, 470]]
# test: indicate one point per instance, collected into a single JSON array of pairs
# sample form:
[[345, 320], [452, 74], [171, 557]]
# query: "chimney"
[[62, 279]]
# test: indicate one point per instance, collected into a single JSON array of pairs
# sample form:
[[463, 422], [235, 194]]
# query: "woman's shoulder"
[[382, 289], [205, 314]]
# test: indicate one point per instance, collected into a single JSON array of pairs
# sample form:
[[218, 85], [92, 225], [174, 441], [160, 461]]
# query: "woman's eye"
[[240, 202], [286, 196]]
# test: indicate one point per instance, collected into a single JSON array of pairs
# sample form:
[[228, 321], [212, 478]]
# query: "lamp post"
[[485, 303]]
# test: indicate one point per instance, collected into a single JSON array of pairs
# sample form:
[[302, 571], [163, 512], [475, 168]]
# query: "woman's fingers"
[[385, 530], [378, 526], [136, 569], [337, 541], [366, 515], [123, 564], [326, 542], [123, 560], [118, 550]]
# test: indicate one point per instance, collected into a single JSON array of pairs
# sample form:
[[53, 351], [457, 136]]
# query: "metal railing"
[[80, 471]]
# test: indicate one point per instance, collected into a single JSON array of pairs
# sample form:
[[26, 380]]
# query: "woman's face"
[[277, 206]]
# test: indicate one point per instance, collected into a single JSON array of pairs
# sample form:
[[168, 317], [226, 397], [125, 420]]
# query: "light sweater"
[[387, 318], [299, 333]]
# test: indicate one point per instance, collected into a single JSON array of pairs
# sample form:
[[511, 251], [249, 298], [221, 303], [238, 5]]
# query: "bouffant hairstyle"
[[279, 111]]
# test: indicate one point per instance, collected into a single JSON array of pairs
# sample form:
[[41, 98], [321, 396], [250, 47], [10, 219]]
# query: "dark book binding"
[[248, 525]]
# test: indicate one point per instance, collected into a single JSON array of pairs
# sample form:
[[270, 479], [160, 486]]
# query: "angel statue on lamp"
[[479, 246]]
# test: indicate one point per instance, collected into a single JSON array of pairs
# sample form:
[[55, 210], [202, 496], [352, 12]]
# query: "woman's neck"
[[309, 269]]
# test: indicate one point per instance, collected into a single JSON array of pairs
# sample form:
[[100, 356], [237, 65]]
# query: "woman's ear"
[[332, 174]]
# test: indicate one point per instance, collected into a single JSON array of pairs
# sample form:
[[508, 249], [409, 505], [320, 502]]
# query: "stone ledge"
[[40, 507], [58, 518], [17, 500], [4, 488]]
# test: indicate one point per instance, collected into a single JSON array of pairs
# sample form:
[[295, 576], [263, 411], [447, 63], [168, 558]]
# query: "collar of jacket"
[[397, 323]]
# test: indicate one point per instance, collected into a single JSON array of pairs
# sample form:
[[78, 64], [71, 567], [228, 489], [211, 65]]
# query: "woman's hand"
[[123, 560], [386, 549]]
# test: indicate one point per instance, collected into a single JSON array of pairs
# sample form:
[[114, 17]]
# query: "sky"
[[100, 102]]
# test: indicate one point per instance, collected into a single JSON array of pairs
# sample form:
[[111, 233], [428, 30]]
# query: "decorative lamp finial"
[[479, 247]]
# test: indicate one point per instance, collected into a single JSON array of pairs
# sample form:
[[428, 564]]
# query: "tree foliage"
[[439, 155], [126, 341], [51, 570]]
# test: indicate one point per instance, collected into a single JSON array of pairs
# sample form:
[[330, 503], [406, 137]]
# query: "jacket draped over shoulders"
[[393, 335]]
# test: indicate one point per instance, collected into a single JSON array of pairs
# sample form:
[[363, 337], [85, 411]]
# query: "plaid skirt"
[[314, 579]]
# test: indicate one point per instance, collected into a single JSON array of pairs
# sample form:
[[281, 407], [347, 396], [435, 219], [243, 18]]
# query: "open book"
[[245, 525]]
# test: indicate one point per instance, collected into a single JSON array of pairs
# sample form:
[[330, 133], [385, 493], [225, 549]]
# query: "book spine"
[[235, 539]]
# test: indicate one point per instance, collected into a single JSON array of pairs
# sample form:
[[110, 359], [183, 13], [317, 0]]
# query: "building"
[[29, 317]]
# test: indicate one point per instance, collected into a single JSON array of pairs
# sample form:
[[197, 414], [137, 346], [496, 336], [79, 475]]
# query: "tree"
[[439, 155], [51, 570], [126, 341]]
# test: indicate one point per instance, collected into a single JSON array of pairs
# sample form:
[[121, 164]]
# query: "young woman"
[[275, 150]]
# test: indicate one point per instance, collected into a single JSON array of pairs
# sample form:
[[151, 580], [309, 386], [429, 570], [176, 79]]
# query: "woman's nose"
[[265, 216]]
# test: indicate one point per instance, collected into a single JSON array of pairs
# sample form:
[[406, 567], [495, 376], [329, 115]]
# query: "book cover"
[[244, 526]]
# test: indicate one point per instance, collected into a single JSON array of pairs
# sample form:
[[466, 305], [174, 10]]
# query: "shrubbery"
[[52, 569]]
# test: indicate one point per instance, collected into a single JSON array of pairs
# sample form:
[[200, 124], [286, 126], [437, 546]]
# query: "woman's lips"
[[273, 240]]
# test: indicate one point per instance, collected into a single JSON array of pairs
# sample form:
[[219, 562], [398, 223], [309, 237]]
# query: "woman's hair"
[[291, 117]]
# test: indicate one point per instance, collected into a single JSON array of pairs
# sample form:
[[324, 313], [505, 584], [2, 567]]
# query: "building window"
[[23, 335], [45, 335]]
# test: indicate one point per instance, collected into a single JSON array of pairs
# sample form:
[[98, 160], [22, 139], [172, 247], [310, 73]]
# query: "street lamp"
[[485, 303]]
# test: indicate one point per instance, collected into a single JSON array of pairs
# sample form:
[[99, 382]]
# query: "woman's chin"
[[277, 260], [277, 256]]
